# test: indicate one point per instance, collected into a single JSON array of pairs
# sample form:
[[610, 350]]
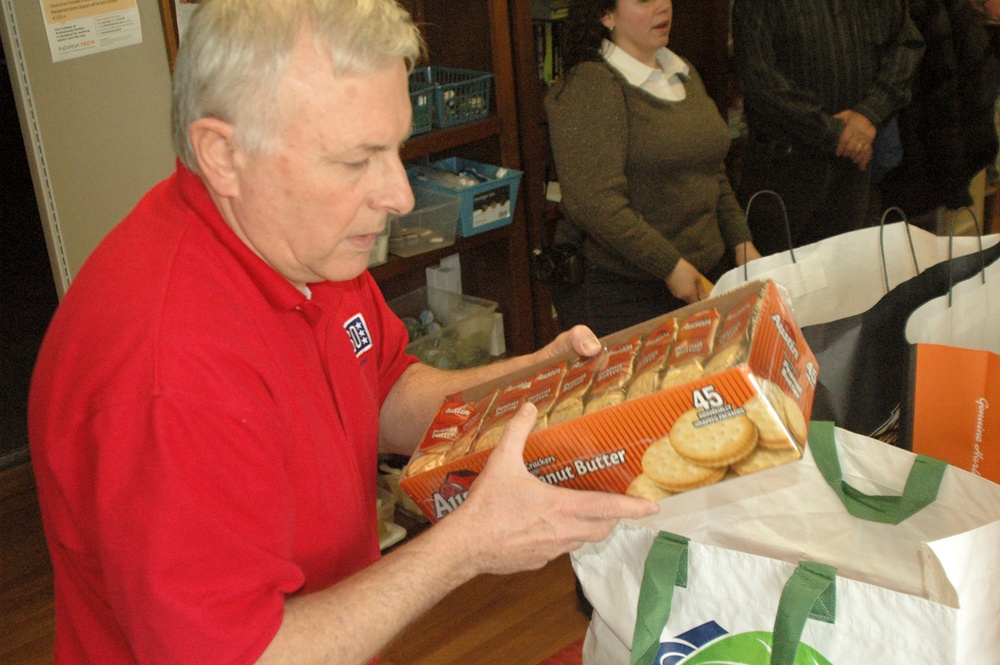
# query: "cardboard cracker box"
[[733, 390]]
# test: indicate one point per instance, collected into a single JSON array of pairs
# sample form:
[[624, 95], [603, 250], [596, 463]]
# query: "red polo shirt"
[[204, 438]]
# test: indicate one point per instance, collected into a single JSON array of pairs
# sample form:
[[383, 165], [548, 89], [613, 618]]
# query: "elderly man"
[[213, 391]]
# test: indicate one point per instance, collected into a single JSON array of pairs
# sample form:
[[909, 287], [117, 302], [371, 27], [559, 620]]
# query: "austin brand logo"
[[462, 410], [452, 492], [357, 330], [784, 331], [548, 374]]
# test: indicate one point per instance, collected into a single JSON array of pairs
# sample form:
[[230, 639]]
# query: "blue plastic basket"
[[483, 206], [460, 95], [422, 98]]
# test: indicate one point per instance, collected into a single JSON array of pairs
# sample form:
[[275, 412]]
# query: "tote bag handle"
[[810, 593], [920, 490], [665, 568]]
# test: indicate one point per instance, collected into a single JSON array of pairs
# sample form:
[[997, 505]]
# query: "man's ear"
[[215, 152]]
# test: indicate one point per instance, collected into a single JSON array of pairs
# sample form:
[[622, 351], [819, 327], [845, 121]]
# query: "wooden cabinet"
[[700, 33], [475, 35]]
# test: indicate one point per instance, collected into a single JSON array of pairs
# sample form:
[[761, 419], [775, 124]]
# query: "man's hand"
[[513, 521], [686, 283], [579, 339], [856, 139]]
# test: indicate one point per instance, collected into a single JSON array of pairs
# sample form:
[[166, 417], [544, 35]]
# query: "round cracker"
[[645, 487], [675, 376], [672, 472], [604, 400], [788, 409], [770, 426], [726, 357], [795, 420], [425, 461], [567, 409], [764, 458], [488, 439], [716, 443], [644, 384]]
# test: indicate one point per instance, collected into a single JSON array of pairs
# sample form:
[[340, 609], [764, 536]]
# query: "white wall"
[[96, 128]]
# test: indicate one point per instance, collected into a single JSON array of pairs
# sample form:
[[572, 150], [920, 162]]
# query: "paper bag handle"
[[919, 492], [951, 244], [881, 244], [784, 216], [810, 593]]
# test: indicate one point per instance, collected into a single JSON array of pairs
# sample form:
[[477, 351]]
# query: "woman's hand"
[[686, 283], [746, 252]]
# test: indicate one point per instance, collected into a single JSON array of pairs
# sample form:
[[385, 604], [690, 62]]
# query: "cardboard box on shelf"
[[742, 405]]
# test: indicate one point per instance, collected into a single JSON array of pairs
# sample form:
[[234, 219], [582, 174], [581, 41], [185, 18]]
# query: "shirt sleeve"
[[732, 219], [393, 359], [780, 106], [890, 90], [588, 129]]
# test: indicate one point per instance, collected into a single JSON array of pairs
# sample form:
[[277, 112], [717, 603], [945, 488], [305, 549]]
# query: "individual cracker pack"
[[732, 341], [693, 345], [450, 434], [544, 391], [608, 387], [575, 387], [503, 408], [743, 418], [650, 360]]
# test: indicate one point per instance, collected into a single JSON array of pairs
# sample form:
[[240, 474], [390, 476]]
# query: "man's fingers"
[[584, 341], [516, 432], [609, 506]]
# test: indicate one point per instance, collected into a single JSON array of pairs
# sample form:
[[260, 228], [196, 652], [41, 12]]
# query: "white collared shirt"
[[667, 82]]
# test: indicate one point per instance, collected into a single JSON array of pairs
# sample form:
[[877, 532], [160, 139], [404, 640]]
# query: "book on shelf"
[[548, 50], [549, 10]]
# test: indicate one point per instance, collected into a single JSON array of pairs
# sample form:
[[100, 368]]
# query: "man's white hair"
[[234, 53]]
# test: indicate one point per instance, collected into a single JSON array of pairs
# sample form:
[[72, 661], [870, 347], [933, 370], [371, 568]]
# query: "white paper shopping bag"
[[852, 295]]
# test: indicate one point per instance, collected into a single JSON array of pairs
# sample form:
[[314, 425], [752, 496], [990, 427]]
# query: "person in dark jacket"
[[947, 131]]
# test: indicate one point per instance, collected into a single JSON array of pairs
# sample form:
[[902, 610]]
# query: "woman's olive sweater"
[[643, 178]]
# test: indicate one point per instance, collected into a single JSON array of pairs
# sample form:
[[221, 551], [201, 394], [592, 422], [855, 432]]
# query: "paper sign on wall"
[[83, 27]]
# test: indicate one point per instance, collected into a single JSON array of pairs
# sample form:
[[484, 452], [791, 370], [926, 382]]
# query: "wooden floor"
[[512, 620]]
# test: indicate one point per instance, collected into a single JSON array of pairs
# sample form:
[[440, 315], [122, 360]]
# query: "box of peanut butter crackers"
[[717, 389]]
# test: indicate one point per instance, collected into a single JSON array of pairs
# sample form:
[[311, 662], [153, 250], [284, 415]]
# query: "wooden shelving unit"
[[495, 264]]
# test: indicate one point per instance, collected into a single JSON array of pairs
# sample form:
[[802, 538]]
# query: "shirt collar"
[[638, 73]]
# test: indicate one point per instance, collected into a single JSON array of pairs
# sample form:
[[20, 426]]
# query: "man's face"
[[312, 207]]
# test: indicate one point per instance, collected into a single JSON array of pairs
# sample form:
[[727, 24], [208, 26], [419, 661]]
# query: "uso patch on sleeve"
[[357, 330]]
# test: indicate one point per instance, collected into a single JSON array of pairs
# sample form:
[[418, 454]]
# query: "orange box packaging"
[[743, 405]]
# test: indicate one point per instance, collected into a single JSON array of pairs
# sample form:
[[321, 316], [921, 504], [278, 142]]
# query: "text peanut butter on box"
[[720, 388]]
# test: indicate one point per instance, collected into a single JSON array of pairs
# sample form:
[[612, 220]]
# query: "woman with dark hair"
[[639, 148]]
